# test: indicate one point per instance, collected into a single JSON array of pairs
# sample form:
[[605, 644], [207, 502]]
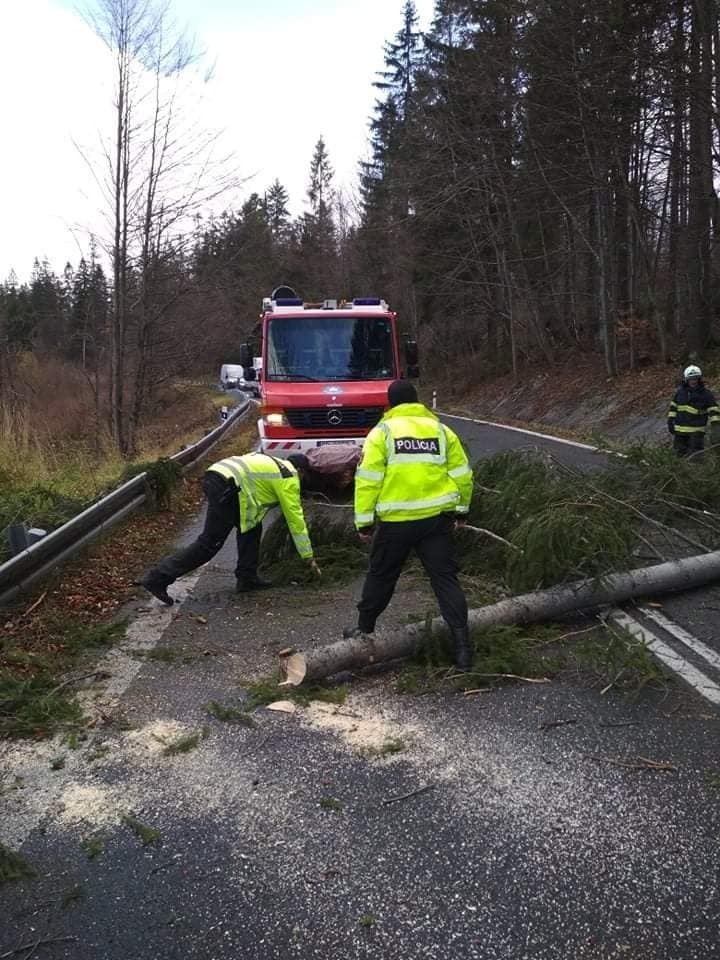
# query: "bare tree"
[[163, 167]]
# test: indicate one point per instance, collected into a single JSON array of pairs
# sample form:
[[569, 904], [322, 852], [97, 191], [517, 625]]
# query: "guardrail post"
[[434, 400], [17, 538], [223, 412]]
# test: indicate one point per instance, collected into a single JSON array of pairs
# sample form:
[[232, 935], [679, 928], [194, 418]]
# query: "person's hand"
[[314, 567], [365, 535], [460, 522]]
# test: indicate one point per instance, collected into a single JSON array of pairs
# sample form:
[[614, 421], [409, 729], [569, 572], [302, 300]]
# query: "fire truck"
[[325, 371]]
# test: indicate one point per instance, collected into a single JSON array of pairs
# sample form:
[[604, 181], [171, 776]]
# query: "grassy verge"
[[46, 640], [46, 482], [33, 702]]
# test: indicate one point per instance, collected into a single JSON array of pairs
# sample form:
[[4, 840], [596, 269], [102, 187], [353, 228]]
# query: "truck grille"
[[333, 418]]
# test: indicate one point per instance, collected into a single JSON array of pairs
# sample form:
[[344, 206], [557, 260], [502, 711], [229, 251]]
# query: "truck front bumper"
[[286, 445]]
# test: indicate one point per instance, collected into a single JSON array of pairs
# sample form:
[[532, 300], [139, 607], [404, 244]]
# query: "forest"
[[539, 182]]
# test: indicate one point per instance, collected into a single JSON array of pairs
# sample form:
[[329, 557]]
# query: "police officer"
[[690, 409], [415, 480], [239, 492]]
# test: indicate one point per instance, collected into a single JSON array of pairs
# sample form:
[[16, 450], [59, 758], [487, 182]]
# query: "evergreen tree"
[[17, 317], [403, 57], [320, 193], [89, 312], [46, 299], [277, 212], [318, 262]]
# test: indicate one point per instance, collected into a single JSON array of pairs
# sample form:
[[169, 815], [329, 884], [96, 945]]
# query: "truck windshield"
[[329, 348]]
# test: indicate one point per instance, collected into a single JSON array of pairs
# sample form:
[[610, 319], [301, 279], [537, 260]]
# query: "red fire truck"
[[325, 370]]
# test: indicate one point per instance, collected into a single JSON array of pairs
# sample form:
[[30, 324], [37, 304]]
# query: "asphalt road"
[[484, 440], [519, 824]]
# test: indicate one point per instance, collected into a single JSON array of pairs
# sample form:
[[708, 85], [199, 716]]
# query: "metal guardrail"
[[20, 572]]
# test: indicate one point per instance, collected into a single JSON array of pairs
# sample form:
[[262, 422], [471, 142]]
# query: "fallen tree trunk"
[[529, 608]]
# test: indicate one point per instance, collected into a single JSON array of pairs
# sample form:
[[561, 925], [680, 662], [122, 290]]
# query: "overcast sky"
[[286, 71]]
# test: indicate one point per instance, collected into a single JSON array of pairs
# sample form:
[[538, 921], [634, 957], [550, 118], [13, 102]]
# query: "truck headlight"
[[275, 418]]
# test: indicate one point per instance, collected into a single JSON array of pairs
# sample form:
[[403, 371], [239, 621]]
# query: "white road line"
[[31, 790], [675, 630], [679, 665], [143, 634], [529, 433]]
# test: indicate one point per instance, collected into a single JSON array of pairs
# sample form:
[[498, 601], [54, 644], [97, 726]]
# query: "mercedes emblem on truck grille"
[[334, 418]]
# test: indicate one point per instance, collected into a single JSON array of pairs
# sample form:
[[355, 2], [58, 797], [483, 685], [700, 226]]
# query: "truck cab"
[[326, 369]]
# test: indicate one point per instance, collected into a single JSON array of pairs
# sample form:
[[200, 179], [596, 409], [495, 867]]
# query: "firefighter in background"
[[239, 492], [415, 480], [691, 408]]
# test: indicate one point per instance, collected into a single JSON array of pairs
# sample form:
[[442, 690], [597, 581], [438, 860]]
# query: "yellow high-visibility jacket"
[[413, 467], [262, 482]]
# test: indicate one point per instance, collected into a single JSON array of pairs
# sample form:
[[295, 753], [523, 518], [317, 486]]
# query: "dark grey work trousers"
[[223, 515], [687, 443], [432, 541]]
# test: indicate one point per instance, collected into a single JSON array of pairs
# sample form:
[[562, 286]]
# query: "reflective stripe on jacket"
[[261, 483], [690, 410], [413, 467]]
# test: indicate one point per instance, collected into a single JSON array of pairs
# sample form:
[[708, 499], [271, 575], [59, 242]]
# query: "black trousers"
[[432, 541], [223, 515], [687, 443]]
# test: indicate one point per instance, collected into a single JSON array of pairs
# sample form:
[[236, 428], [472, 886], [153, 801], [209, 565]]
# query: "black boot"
[[156, 588], [462, 651], [254, 582]]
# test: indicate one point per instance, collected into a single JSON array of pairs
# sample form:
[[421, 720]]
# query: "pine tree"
[[385, 239], [402, 60], [277, 212], [320, 192], [318, 262], [89, 312], [46, 299]]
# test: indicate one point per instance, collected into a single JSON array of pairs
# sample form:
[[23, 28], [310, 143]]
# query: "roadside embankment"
[[575, 398]]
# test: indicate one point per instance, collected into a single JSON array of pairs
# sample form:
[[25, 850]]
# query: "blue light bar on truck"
[[288, 302], [367, 302]]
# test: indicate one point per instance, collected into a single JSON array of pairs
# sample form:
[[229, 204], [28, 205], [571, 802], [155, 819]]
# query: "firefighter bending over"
[[239, 492], [415, 480], [690, 409]]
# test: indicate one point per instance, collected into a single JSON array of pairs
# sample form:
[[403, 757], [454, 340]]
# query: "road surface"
[[522, 824]]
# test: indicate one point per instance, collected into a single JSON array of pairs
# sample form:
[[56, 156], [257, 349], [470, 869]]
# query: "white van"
[[232, 376]]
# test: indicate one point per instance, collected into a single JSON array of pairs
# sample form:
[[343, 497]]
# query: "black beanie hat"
[[299, 461], [401, 391]]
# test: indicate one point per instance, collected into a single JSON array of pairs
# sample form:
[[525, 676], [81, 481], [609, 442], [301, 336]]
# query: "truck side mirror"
[[246, 355], [411, 359]]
